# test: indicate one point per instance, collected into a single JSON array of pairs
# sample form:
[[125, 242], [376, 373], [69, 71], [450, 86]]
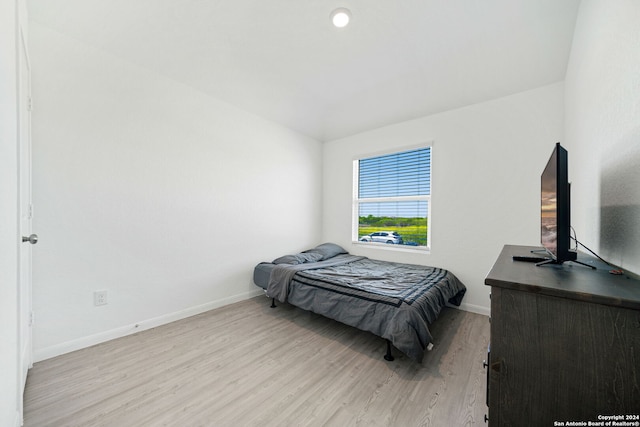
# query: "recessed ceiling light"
[[340, 17]]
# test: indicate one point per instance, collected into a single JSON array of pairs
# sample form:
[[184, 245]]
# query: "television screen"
[[549, 206]]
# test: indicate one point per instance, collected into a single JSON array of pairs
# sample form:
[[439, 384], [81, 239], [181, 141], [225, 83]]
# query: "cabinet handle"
[[486, 418], [484, 364]]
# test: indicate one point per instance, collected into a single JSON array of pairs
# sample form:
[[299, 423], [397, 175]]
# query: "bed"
[[395, 301]]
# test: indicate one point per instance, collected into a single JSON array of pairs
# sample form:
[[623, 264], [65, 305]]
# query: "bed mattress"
[[262, 273]]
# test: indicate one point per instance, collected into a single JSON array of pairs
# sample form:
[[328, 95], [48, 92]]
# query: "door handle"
[[33, 239]]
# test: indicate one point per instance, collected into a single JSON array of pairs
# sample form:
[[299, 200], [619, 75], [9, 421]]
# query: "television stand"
[[553, 261], [564, 343]]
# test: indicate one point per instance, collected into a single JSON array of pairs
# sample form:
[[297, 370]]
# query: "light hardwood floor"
[[249, 365]]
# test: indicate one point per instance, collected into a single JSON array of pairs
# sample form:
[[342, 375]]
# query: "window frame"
[[355, 215]]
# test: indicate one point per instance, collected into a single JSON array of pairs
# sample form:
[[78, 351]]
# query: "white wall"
[[139, 187], [603, 129], [9, 232], [148, 189], [487, 160]]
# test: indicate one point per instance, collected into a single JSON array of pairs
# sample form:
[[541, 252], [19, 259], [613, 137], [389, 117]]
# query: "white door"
[[25, 316]]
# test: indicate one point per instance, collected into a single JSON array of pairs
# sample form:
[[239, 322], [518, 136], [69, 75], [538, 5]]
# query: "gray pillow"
[[298, 258], [327, 250]]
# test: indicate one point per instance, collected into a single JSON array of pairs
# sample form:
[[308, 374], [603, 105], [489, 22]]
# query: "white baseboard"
[[88, 341], [478, 309]]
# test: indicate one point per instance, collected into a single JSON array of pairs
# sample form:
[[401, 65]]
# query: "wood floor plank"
[[247, 364]]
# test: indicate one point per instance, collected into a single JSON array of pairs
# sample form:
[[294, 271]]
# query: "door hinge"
[[31, 318], [30, 213], [30, 104]]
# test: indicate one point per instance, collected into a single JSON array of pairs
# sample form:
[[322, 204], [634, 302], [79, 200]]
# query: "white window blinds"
[[394, 175]]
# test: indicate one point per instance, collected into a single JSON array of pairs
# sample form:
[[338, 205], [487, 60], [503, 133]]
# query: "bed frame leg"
[[389, 356], [273, 303]]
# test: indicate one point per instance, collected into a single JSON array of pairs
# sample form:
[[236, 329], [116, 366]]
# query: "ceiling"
[[284, 61]]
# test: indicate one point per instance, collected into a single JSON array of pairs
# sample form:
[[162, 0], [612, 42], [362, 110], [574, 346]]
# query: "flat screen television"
[[555, 208]]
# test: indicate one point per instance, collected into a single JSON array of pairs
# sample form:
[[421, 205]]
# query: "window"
[[392, 198]]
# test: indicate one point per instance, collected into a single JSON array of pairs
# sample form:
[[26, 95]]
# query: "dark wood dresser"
[[565, 343]]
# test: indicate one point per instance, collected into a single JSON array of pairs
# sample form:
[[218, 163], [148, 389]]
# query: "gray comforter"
[[392, 300]]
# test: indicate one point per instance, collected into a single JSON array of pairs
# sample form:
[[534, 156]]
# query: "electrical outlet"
[[99, 297]]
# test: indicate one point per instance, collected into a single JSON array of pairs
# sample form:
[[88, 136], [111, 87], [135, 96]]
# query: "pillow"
[[327, 250], [298, 258], [288, 259]]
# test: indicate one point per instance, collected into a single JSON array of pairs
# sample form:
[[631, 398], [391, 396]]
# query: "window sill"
[[390, 247]]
